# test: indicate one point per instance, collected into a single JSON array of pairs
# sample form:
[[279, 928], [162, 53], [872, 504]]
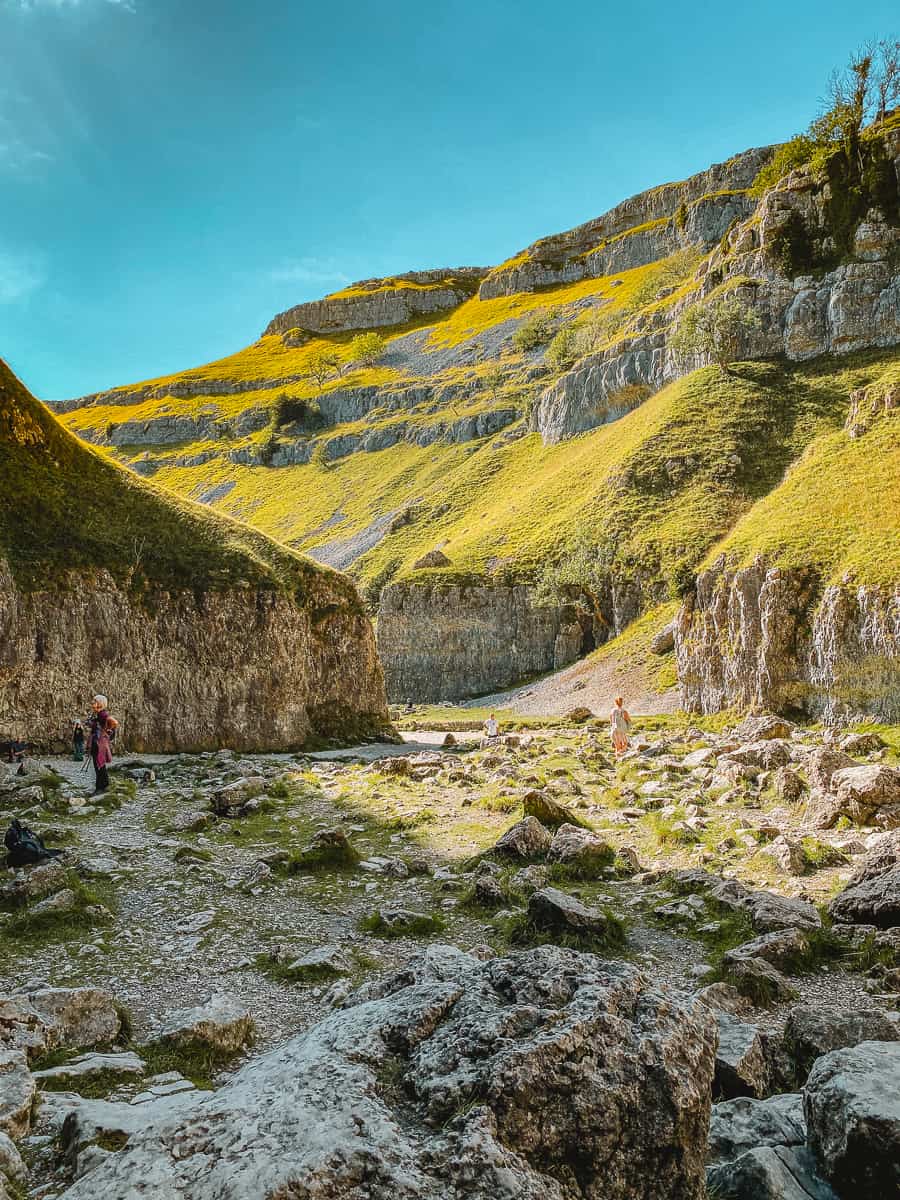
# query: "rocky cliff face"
[[247, 668], [380, 303], [450, 641], [639, 230], [201, 632], [762, 637], [765, 259]]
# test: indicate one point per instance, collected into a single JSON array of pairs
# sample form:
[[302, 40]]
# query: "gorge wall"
[[452, 641], [201, 632], [765, 638]]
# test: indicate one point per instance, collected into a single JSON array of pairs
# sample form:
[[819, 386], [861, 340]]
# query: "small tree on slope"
[[716, 331]]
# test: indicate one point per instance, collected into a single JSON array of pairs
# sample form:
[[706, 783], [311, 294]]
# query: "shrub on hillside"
[[367, 348], [322, 363], [716, 331], [535, 331], [563, 350]]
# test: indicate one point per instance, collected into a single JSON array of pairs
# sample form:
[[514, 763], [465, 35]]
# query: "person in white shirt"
[[491, 727]]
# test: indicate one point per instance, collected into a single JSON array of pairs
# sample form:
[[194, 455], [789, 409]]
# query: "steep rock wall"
[[451, 641], [705, 205], [380, 303], [761, 637], [249, 668]]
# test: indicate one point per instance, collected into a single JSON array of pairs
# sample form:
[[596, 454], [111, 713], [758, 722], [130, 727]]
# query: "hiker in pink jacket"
[[102, 731]]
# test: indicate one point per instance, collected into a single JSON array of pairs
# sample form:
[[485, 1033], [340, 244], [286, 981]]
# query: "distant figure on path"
[[103, 730], [78, 742], [491, 730], [620, 723]]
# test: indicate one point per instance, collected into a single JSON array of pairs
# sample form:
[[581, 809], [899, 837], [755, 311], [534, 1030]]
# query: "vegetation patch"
[[410, 925]]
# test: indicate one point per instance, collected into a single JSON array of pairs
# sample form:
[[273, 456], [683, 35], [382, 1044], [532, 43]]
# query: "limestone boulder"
[[545, 808], [83, 1016], [526, 839], [583, 851], [222, 1023], [852, 1106], [868, 794], [742, 1124], [872, 897], [554, 911], [741, 1068], [812, 1032], [823, 763], [426, 1089]]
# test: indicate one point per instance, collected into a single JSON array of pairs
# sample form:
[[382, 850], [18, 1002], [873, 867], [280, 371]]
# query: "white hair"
[[102, 701]]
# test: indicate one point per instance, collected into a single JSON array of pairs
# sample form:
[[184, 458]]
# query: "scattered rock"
[[742, 1124], [769, 1173], [741, 1068], [222, 1023], [427, 1090], [756, 729], [582, 851], [872, 896], [811, 1033], [557, 912], [526, 839], [324, 960], [88, 1066], [868, 794], [782, 948], [788, 785], [81, 1016], [544, 808], [17, 1089]]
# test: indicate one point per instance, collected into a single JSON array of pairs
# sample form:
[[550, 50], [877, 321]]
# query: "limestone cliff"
[[452, 641], [380, 303], [201, 632], [765, 638]]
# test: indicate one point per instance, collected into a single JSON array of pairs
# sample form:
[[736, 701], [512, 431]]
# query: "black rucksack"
[[25, 847]]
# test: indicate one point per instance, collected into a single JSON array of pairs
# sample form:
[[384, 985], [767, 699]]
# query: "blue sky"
[[174, 172]]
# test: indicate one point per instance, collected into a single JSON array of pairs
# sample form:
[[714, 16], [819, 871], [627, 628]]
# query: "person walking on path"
[[102, 731], [78, 742], [620, 723]]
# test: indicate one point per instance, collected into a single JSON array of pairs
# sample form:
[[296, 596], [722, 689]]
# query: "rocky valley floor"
[[210, 892]]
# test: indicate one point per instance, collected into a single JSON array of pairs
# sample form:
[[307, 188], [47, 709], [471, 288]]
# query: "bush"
[[367, 348], [321, 364], [534, 331], [563, 350], [288, 409], [716, 330], [788, 157]]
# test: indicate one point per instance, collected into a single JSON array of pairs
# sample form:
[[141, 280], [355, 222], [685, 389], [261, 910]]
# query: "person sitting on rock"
[[491, 729], [620, 723]]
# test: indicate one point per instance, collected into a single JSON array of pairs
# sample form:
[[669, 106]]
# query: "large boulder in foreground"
[[201, 631], [544, 1075], [852, 1106]]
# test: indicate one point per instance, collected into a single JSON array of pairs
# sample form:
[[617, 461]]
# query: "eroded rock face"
[[248, 668], [427, 1089], [764, 637], [448, 641], [380, 303]]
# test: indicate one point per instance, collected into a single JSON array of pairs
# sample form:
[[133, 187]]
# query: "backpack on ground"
[[25, 848]]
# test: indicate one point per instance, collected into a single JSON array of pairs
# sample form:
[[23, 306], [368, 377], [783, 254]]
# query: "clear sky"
[[174, 172]]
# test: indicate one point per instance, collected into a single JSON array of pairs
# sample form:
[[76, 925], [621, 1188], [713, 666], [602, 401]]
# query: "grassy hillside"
[[838, 508], [64, 506], [653, 491]]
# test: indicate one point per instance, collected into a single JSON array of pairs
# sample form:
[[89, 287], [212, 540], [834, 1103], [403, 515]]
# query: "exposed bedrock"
[[766, 637], [445, 641], [451, 640], [251, 668], [380, 303], [545, 1075], [619, 239]]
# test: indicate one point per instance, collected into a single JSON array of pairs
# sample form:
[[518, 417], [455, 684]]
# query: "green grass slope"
[[838, 508], [651, 493], [65, 507]]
